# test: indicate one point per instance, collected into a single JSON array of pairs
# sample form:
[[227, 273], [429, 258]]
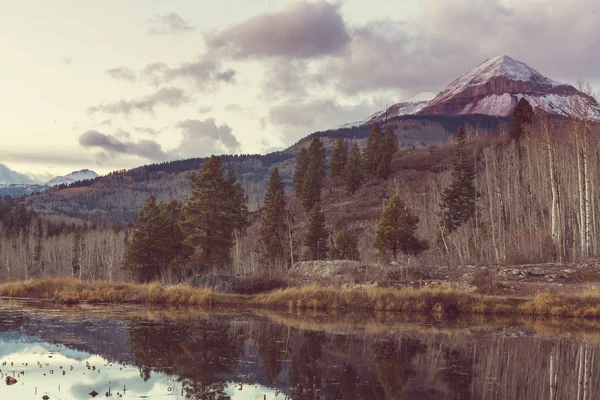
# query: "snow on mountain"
[[412, 106], [495, 87], [75, 176]]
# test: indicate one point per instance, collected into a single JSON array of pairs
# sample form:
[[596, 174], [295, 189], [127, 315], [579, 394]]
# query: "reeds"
[[72, 291], [434, 302]]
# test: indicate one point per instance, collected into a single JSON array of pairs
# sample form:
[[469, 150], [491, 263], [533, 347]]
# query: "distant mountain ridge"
[[14, 183], [74, 176]]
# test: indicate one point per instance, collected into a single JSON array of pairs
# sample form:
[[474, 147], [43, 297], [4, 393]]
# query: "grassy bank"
[[436, 302]]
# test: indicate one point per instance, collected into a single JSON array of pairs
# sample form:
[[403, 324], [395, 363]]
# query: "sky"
[[114, 84]]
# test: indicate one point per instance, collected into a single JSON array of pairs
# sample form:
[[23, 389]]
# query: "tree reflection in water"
[[198, 353]]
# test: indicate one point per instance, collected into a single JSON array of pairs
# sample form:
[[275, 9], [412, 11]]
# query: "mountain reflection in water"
[[133, 352]]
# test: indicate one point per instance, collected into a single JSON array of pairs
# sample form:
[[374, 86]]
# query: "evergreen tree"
[[372, 152], [237, 204], [274, 186], [337, 162], [522, 116], [459, 199], [213, 213], [141, 255], [353, 174], [315, 174], [300, 170], [173, 253], [273, 228], [388, 149], [396, 230], [316, 237], [345, 247], [156, 249]]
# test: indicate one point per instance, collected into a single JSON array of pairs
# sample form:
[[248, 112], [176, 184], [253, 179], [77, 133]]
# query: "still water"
[[132, 352]]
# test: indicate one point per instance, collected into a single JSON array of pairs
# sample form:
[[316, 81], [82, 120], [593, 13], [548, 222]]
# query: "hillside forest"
[[525, 194]]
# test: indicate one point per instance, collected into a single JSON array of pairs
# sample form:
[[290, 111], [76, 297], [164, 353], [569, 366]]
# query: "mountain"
[[495, 86], [492, 88], [75, 176], [410, 107], [481, 98], [9, 176]]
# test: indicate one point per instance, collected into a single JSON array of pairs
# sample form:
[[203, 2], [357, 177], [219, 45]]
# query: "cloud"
[[429, 52], [289, 77], [168, 24], [199, 139], [122, 73], [148, 131], [203, 138], [234, 108], [300, 30], [66, 60], [169, 96], [111, 146], [205, 73], [205, 109], [299, 118]]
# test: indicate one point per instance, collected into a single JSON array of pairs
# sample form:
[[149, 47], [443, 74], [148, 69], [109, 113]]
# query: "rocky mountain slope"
[[494, 88]]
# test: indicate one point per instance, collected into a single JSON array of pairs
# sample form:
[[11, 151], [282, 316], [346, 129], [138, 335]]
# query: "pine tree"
[[213, 213], [272, 247], [315, 174], [173, 253], [274, 186], [345, 247], [459, 199], [142, 252], [522, 116], [353, 174], [316, 237], [237, 203], [372, 153], [396, 230], [337, 162], [388, 149], [300, 170]]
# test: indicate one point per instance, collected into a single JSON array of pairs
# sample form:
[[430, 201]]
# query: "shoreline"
[[429, 302]]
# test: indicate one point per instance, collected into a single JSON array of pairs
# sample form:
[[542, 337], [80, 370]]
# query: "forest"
[[526, 195]]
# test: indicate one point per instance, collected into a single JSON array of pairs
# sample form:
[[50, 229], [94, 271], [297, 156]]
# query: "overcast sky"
[[112, 84]]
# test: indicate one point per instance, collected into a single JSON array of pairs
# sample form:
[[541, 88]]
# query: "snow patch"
[[75, 176], [495, 67]]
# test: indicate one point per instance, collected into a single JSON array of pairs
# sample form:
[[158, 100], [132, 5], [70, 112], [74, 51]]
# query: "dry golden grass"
[[72, 291], [562, 305], [434, 302]]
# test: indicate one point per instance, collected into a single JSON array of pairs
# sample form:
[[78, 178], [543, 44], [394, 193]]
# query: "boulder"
[[335, 271]]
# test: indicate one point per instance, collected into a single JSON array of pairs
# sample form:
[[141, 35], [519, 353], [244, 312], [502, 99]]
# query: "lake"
[[133, 352]]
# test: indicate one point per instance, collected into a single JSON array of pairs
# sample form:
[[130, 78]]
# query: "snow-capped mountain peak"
[[75, 176], [495, 86]]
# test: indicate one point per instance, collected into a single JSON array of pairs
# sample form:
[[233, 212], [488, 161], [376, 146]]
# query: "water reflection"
[[133, 352]]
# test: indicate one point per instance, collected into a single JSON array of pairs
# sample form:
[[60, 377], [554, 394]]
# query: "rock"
[[569, 271], [10, 380], [340, 271]]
